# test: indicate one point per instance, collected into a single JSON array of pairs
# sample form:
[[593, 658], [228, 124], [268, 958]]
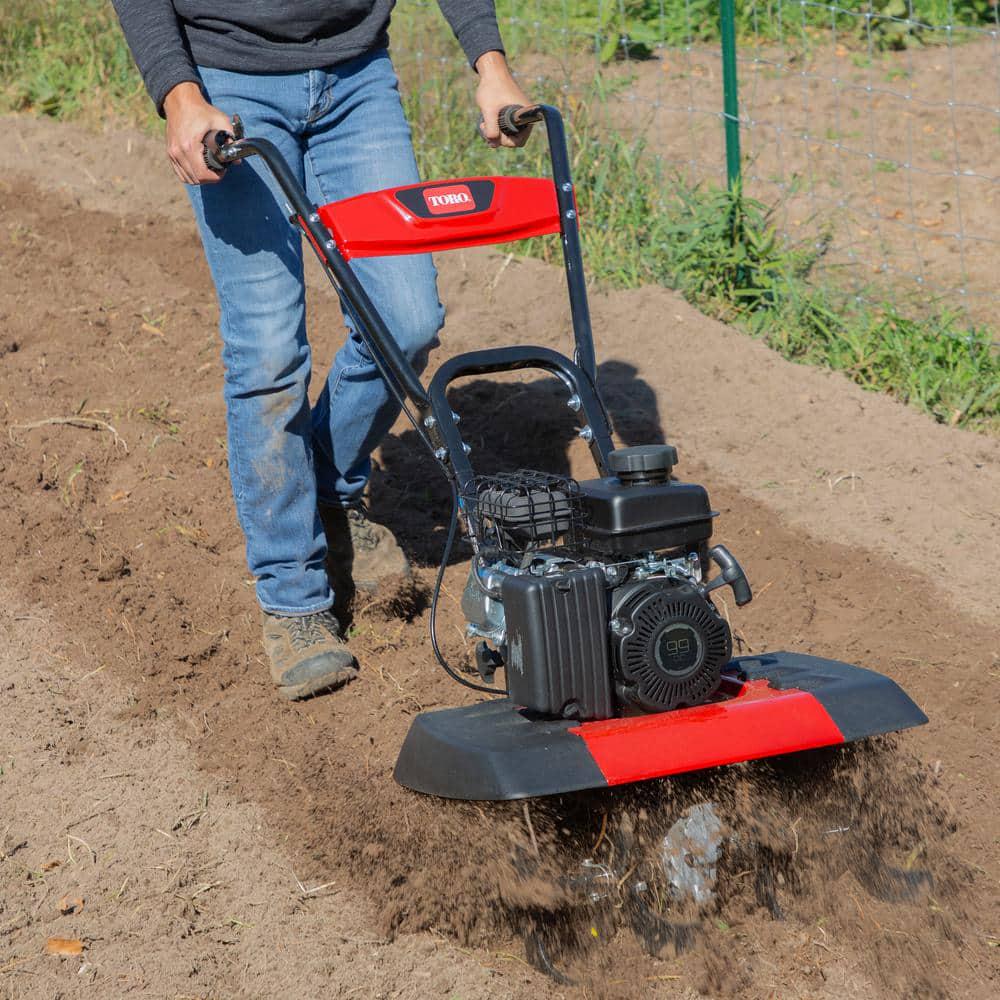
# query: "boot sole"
[[319, 685]]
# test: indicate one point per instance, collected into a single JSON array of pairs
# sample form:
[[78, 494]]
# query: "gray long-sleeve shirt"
[[168, 38]]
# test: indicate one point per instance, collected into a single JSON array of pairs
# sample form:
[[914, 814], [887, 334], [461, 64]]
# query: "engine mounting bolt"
[[574, 403], [330, 245], [455, 417], [467, 448], [618, 626], [567, 187], [441, 454], [587, 433], [314, 217], [570, 213], [429, 421]]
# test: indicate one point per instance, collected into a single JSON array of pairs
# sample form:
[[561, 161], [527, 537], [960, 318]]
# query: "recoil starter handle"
[[732, 575]]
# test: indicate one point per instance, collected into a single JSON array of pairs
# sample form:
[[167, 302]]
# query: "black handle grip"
[[514, 118], [215, 145]]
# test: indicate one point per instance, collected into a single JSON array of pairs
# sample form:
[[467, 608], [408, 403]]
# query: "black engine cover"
[[557, 644], [668, 646]]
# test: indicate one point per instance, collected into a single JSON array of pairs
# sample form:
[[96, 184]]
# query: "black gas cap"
[[645, 464]]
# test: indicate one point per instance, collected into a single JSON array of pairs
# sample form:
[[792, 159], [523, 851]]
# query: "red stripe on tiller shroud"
[[758, 721]]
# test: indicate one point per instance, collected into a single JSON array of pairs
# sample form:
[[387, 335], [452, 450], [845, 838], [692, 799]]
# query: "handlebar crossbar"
[[223, 149]]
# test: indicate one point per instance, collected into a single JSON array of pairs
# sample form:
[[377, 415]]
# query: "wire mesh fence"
[[872, 129]]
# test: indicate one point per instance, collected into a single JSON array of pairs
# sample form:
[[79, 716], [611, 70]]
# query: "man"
[[314, 77]]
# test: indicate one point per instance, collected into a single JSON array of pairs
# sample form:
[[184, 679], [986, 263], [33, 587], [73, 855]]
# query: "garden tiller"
[[593, 596]]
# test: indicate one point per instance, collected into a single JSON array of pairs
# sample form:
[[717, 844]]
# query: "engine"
[[593, 595]]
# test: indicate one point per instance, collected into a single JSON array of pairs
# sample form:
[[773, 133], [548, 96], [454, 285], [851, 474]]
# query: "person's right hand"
[[189, 118]]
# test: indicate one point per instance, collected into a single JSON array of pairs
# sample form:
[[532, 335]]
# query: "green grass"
[[640, 225], [66, 60], [720, 249], [635, 28]]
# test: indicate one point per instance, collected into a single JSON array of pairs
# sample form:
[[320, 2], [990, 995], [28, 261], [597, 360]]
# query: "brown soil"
[[134, 648], [184, 889]]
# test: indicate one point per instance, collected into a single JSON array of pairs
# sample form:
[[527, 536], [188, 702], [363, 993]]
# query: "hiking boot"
[[307, 654], [360, 550]]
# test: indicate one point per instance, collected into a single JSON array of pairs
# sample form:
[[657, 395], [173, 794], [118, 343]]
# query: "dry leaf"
[[898, 214], [120, 495], [149, 328], [931, 223], [49, 865], [840, 51], [64, 946], [70, 904]]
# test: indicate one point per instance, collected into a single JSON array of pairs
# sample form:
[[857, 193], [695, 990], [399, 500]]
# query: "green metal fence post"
[[730, 91]]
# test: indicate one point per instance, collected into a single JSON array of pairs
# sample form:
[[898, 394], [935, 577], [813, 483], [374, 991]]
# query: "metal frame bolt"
[[587, 433], [429, 421], [441, 454], [574, 403]]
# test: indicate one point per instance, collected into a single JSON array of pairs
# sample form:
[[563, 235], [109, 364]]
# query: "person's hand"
[[189, 118], [498, 88]]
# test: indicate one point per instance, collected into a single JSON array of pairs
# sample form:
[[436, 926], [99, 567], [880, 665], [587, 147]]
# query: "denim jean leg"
[[362, 143], [255, 257]]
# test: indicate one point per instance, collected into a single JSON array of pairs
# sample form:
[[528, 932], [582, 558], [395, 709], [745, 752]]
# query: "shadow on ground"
[[509, 425]]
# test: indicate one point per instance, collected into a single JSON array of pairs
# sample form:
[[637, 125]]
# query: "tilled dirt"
[[172, 881], [118, 531]]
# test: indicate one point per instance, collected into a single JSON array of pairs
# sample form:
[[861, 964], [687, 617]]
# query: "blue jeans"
[[343, 133]]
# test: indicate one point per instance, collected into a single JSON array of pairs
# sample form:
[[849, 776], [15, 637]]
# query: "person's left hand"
[[498, 88]]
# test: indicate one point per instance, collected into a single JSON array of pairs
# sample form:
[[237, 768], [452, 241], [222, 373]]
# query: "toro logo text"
[[449, 200]]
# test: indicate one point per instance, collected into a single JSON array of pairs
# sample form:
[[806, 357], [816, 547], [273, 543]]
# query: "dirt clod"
[[116, 568]]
